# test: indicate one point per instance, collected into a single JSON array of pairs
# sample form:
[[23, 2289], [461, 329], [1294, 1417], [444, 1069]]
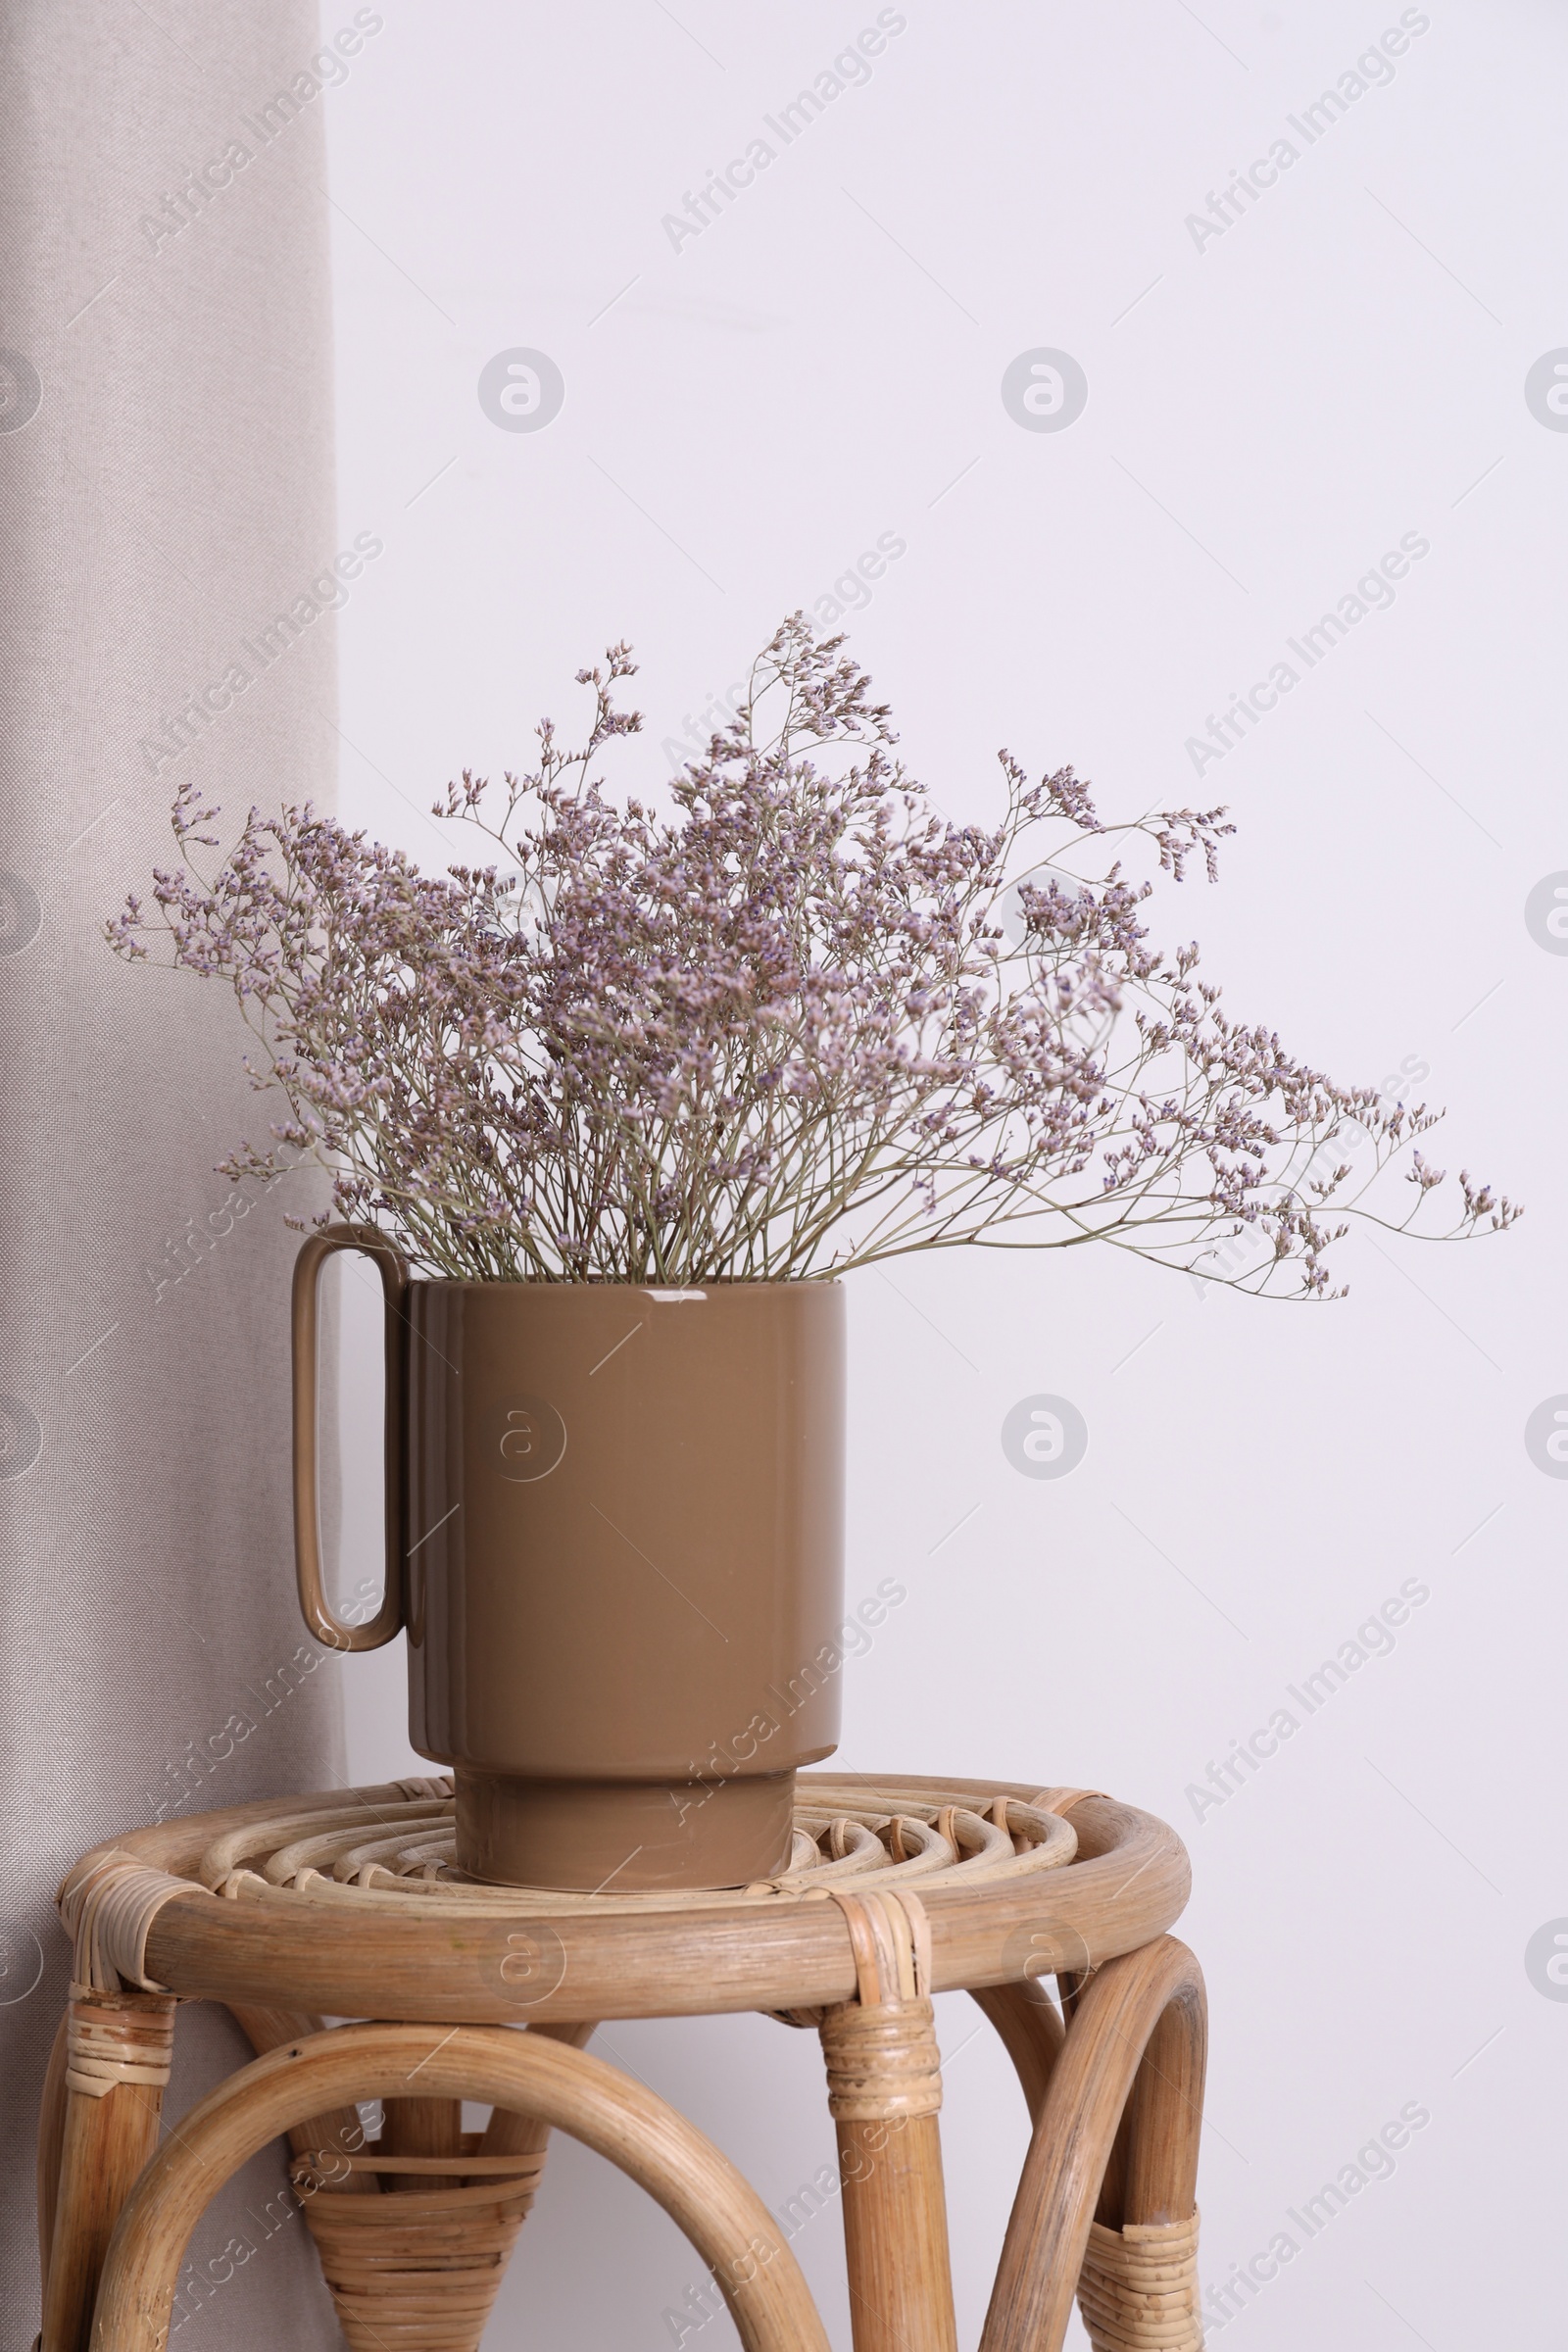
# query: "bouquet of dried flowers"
[[798, 1022]]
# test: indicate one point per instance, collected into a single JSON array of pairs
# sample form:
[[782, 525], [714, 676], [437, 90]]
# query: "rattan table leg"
[[118, 2047], [884, 2090], [508, 2133], [422, 2128]]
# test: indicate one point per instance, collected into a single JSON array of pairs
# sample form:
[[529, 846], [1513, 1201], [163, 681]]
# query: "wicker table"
[[344, 1904]]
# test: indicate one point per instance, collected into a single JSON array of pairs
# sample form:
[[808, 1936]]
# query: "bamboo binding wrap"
[[883, 2063], [1138, 2289], [430, 2261], [110, 2041]]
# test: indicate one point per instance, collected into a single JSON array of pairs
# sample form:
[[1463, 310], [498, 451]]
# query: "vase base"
[[623, 1837]]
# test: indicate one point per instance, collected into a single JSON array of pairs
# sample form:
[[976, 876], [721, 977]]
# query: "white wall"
[[1268, 411]]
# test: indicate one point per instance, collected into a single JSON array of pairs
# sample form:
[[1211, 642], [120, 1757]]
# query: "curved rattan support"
[[1031, 2031], [1127, 2083], [609, 2112]]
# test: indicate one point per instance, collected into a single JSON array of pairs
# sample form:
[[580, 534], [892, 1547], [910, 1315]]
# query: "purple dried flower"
[[780, 1032]]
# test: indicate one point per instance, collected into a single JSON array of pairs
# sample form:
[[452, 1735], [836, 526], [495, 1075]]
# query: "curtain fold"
[[166, 503]]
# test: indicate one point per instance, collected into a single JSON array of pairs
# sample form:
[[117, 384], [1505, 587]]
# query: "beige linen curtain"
[[166, 493]]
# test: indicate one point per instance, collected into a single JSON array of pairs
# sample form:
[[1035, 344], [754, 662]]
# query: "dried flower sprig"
[[797, 1024]]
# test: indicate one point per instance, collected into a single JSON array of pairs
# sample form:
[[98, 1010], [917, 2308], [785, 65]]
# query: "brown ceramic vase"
[[615, 1537]]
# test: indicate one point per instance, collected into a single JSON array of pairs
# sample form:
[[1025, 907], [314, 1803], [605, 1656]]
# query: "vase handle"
[[388, 1619]]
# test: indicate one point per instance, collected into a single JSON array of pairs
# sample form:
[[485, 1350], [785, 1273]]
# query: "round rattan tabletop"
[[347, 1903]]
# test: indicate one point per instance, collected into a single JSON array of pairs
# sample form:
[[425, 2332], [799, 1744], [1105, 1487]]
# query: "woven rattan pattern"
[[402, 1853]]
